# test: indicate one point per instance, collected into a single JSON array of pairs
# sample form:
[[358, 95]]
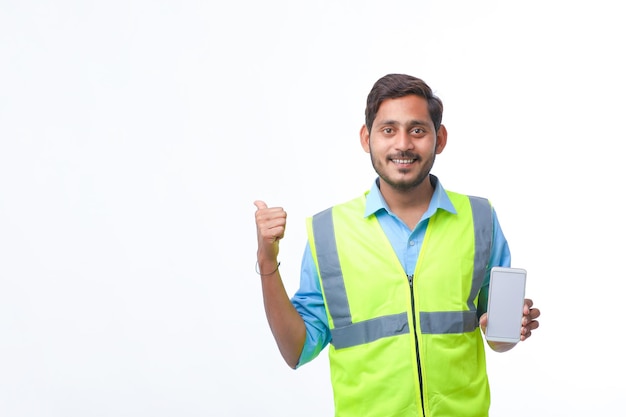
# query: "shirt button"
[[411, 243]]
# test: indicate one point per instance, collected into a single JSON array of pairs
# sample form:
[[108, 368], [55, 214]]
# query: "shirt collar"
[[374, 200]]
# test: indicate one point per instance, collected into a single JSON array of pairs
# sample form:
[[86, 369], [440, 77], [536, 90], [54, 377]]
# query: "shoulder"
[[356, 203]]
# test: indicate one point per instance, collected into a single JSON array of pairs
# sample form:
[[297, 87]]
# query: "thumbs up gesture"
[[270, 227]]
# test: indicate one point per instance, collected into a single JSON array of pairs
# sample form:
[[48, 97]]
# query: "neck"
[[407, 198], [408, 204]]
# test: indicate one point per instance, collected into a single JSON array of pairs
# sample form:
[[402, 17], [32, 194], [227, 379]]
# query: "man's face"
[[402, 142]]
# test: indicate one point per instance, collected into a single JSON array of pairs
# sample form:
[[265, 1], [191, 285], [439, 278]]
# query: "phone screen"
[[506, 303]]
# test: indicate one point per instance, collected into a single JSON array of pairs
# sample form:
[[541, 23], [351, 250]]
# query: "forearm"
[[285, 322]]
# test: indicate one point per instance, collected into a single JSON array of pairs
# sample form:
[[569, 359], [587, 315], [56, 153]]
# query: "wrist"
[[267, 268]]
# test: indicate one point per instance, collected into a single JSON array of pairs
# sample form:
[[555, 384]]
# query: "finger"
[[270, 217], [533, 325], [260, 204], [530, 316], [526, 335], [528, 328], [528, 303], [483, 319], [534, 313]]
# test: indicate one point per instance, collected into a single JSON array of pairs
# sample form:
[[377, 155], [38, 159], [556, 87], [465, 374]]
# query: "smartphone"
[[506, 304]]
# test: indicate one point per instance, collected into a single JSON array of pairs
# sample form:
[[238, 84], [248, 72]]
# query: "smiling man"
[[396, 280]]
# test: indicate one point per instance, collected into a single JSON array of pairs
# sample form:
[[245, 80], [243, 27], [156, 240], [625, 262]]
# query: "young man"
[[395, 280]]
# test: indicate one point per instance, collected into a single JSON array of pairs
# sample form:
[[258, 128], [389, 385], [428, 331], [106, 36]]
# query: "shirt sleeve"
[[309, 303], [500, 256]]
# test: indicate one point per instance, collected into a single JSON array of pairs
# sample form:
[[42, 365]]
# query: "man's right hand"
[[270, 227]]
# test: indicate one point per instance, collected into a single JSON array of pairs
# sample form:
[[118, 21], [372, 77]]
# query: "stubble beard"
[[408, 184]]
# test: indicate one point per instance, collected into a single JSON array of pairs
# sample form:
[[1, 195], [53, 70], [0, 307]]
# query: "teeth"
[[402, 161]]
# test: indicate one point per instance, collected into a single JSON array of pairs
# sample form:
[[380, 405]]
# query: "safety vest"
[[405, 346]]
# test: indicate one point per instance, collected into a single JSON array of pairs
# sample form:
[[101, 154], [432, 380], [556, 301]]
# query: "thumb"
[[260, 204], [483, 321]]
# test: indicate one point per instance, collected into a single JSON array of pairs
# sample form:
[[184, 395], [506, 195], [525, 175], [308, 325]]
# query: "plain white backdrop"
[[135, 136]]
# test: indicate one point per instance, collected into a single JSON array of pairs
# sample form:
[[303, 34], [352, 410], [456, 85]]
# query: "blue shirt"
[[407, 243]]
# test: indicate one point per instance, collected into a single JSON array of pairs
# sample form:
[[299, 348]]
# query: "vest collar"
[[375, 202]]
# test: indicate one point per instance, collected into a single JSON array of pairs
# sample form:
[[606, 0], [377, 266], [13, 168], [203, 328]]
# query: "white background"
[[135, 136]]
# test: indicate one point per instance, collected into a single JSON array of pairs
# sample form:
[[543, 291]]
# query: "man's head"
[[403, 132], [400, 85]]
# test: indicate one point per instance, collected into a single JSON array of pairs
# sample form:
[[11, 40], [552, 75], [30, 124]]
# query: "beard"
[[382, 168]]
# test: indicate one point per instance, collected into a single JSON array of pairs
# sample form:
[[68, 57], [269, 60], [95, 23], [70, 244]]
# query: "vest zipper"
[[417, 351]]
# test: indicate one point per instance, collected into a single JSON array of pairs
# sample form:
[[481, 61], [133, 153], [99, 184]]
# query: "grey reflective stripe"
[[443, 322], [330, 270], [483, 235], [346, 333], [370, 330]]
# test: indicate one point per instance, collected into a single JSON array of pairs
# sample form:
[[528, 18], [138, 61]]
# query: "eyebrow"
[[410, 124]]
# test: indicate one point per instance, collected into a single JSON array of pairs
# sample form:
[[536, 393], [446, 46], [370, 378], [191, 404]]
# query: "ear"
[[365, 139], [442, 139]]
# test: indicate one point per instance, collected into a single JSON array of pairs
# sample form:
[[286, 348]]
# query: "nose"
[[404, 141]]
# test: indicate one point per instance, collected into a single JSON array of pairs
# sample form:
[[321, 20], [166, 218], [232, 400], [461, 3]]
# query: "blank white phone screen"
[[506, 303]]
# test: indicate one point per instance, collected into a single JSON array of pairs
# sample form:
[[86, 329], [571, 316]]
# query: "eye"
[[388, 130], [418, 131]]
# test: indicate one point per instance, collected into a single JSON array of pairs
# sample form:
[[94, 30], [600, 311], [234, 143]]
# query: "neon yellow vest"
[[397, 349]]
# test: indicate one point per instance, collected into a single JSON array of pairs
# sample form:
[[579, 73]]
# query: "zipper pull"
[[410, 278]]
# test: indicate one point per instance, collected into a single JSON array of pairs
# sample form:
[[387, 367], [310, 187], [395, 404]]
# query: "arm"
[[529, 323], [286, 324]]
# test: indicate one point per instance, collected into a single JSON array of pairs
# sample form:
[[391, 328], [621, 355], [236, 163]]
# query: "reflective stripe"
[[443, 322], [330, 270], [483, 235], [346, 334], [370, 330]]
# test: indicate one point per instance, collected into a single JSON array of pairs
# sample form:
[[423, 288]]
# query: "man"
[[395, 280]]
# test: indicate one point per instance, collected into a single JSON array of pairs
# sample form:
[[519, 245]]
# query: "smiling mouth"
[[403, 161]]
